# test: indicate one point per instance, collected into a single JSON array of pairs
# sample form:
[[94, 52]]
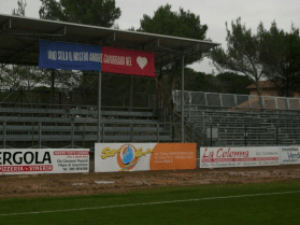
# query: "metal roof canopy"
[[19, 40], [19, 44]]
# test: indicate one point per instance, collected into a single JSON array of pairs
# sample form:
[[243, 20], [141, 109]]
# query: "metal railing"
[[253, 136], [194, 100]]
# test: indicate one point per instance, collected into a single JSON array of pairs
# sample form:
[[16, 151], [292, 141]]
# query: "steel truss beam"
[[28, 47], [6, 25]]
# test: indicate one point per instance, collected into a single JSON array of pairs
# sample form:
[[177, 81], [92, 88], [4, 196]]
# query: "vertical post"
[[72, 135], [170, 124], [173, 132], [32, 134], [40, 135], [221, 100], [182, 99], [157, 129], [131, 132], [190, 99], [124, 101], [203, 126], [131, 93], [205, 99], [211, 142], [154, 103], [235, 101], [245, 136], [103, 133], [165, 117], [185, 132], [52, 86], [250, 102], [4, 135], [99, 107], [226, 137], [83, 142], [59, 96], [276, 102], [276, 136], [288, 105], [148, 102], [193, 127]]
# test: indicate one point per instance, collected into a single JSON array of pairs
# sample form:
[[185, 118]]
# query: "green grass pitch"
[[266, 203]]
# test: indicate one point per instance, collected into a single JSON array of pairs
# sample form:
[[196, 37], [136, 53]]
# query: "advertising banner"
[[70, 56], [40, 161], [124, 61], [290, 155], [220, 157], [111, 157]]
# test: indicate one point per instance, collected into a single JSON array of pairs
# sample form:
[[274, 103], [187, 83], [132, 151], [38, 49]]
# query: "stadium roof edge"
[[19, 39]]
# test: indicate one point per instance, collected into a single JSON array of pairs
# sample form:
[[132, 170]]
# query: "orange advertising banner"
[[173, 156], [111, 157]]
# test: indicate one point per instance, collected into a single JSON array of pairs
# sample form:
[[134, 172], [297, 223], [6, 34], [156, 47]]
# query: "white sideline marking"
[[152, 203]]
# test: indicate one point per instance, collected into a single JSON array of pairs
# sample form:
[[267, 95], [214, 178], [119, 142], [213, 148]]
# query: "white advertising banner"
[[221, 157], [113, 157], [40, 161], [290, 155]]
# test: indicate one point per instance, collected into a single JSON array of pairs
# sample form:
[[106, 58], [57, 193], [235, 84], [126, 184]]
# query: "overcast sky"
[[213, 13]]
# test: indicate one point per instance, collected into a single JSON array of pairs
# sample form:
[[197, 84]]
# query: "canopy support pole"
[[182, 99], [52, 86], [131, 93], [99, 108]]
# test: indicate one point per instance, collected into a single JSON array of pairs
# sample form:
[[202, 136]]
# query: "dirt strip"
[[96, 183]]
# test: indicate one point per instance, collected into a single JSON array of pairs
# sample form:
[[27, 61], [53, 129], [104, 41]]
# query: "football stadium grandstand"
[[44, 123], [209, 119]]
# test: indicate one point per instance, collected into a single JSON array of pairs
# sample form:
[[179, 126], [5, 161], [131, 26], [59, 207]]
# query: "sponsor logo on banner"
[[290, 155], [110, 157], [127, 156], [32, 161], [142, 61], [238, 157]]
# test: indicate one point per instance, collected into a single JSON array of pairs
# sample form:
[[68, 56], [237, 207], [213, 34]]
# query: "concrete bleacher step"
[[114, 138], [25, 123], [75, 120], [74, 112]]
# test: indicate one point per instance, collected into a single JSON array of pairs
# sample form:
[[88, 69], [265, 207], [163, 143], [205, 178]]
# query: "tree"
[[242, 54], [182, 24], [21, 8], [271, 54], [234, 83], [93, 12], [15, 76], [280, 52], [199, 81]]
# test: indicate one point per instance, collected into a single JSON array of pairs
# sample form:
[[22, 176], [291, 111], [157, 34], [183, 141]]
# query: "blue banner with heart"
[[69, 56]]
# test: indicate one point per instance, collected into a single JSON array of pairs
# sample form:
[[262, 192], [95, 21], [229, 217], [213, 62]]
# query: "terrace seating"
[[24, 125], [247, 128]]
